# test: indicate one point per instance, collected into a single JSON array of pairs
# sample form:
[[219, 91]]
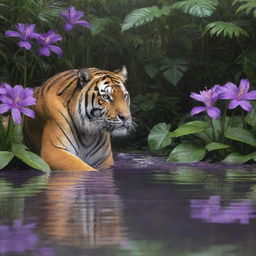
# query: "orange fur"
[[76, 112]]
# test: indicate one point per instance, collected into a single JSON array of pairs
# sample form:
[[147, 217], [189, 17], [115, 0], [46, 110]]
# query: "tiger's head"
[[104, 102]]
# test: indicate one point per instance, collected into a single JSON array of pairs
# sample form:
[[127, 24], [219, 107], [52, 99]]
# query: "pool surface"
[[142, 206]]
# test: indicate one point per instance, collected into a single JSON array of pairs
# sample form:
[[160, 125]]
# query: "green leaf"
[[98, 25], [151, 69], [159, 136], [190, 128], [187, 153], [226, 29], [141, 16], [250, 118], [174, 69], [247, 7], [241, 135], [32, 160], [198, 8], [5, 158], [237, 158], [215, 146]]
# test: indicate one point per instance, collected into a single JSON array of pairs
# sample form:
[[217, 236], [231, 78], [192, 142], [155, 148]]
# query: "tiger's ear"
[[122, 72], [83, 76]]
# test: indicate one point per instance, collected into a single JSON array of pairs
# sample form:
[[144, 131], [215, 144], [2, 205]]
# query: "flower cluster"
[[211, 211], [238, 96], [17, 100], [46, 41]]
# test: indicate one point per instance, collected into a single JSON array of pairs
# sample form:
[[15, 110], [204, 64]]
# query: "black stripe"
[[67, 138], [70, 127], [98, 146], [86, 105], [101, 160], [52, 80], [63, 90], [72, 120], [57, 146]]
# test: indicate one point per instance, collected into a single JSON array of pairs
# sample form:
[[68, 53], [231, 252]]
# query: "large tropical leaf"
[[141, 16], [226, 29], [247, 7], [241, 135], [190, 128], [159, 136], [174, 69], [199, 8], [187, 153]]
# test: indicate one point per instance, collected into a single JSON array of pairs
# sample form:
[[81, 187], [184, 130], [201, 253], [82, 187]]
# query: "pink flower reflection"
[[211, 211]]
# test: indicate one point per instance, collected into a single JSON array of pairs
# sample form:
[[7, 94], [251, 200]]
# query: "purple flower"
[[16, 99], [47, 40], [211, 211], [17, 238], [238, 96], [25, 33], [208, 97], [73, 18]]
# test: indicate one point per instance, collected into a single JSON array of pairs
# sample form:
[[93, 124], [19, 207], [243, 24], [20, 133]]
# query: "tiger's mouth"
[[116, 128]]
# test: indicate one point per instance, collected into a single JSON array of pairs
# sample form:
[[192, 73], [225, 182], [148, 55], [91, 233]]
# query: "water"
[[141, 207]]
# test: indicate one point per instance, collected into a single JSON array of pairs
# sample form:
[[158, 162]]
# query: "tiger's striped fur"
[[76, 112]]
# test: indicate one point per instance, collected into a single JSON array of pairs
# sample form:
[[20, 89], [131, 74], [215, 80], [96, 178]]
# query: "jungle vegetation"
[[170, 48]]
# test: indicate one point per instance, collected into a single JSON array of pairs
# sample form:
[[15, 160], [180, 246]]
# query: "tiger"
[[76, 113]]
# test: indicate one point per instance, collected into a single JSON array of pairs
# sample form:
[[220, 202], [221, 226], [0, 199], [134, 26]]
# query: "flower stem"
[[243, 117], [25, 69], [222, 125], [213, 130]]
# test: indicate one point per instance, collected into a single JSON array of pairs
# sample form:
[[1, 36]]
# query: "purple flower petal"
[[28, 101], [25, 44], [4, 108], [197, 96], [250, 95], [21, 28], [233, 104], [16, 116], [6, 99], [83, 23], [56, 50], [213, 112], [12, 33], [244, 86], [197, 110], [45, 51], [27, 112], [246, 105], [68, 26], [73, 18]]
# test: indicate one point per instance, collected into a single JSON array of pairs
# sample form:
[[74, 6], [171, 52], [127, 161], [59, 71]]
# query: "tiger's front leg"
[[56, 155]]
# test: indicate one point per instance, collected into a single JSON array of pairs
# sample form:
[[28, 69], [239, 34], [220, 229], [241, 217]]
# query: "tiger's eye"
[[106, 97], [126, 96]]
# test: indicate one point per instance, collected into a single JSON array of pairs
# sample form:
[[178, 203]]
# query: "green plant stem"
[[222, 125], [25, 69], [243, 117], [9, 133], [213, 132]]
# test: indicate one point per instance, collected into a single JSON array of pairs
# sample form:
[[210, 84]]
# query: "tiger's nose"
[[123, 117]]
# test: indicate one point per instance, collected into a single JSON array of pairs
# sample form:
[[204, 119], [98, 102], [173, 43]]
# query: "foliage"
[[170, 48], [221, 138]]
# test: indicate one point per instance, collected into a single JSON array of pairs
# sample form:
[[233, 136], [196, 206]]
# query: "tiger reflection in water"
[[83, 209]]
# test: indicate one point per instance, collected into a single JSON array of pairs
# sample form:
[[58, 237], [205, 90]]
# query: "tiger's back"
[[76, 112]]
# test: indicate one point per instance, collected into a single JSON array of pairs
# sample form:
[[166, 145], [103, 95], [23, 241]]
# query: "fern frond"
[[141, 16], [227, 29], [247, 6], [198, 8]]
